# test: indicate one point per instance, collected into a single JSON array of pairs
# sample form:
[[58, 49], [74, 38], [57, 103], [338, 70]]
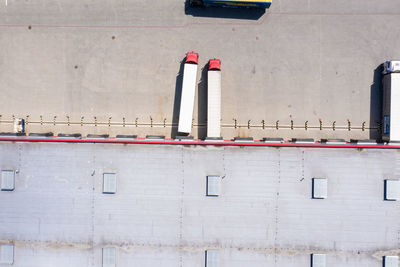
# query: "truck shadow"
[[177, 100], [202, 103], [376, 95], [221, 12]]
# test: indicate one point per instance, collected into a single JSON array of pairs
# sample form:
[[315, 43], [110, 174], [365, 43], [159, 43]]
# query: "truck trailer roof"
[[214, 99], [188, 93], [238, 3]]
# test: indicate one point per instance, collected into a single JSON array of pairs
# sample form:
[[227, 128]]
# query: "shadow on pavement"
[[376, 103], [177, 100], [221, 12], [202, 103]]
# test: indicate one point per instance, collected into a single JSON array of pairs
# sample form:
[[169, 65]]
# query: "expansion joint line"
[[397, 175], [276, 208], [302, 165], [181, 211], [223, 163], [93, 175], [19, 157]]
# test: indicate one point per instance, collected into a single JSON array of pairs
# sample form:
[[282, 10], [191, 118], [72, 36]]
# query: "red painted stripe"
[[168, 142]]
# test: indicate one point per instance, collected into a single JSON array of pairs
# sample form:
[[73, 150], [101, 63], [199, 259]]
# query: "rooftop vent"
[[318, 260], [7, 180], [390, 261], [7, 254], [392, 189], [213, 185], [109, 257], [212, 258], [320, 188], [109, 183]]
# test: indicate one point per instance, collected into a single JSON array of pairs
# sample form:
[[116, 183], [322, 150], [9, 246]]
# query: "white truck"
[[188, 93], [19, 125], [214, 99], [391, 102]]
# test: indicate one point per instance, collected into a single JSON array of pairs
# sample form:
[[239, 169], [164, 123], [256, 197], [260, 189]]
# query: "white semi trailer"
[[214, 99], [391, 102], [188, 93]]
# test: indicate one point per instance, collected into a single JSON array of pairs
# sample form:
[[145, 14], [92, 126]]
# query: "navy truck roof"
[[232, 3]]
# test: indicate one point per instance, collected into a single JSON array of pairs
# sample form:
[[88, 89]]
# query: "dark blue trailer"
[[231, 3]]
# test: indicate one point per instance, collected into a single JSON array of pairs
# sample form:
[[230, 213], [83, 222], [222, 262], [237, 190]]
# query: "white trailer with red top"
[[214, 99], [188, 93], [391, 102]]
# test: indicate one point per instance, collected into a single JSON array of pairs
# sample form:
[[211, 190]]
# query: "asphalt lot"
[[302, 60], [160, 214]]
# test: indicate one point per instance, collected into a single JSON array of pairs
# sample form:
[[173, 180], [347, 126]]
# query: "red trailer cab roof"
[[192, 57], [214, 64]]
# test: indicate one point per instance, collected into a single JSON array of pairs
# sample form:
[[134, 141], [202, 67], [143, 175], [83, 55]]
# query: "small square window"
[[213, 185], [7, 253], [319, 188], [392, 189], [390, 261], [212, 258], [318, 260], [109, 255], [109, 183], [7, 180]]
